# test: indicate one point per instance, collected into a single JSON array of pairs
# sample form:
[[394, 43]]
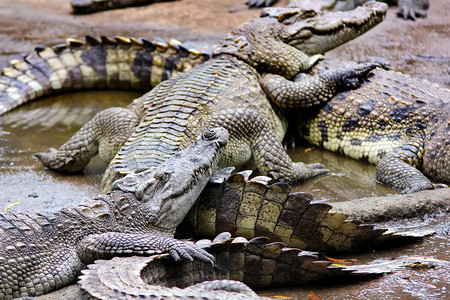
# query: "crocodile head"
[[271, 38], [315, 33], [169, 190]]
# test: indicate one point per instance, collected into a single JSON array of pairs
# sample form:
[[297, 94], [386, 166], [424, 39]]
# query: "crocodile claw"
[[53, 159], [354, 76], [423, 186], [184, 250], [305, 172], [411, 9], [440, 186], [317, 169]]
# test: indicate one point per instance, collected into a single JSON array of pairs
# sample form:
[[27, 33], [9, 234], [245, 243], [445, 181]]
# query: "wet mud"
[[419, 48]]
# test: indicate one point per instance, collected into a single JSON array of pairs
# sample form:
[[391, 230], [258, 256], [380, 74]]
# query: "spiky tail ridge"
[[112, 63], [253, 207]]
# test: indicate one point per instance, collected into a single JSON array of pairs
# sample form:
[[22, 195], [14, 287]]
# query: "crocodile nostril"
[[209, 134]]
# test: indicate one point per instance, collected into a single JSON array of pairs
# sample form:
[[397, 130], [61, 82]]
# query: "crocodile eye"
[[286, 15], [309, 13], [164, 177], [209, 134]]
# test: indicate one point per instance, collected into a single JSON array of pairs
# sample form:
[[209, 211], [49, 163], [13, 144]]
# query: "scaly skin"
[[41, 252], [115, 50], [225, 91], [407, 9], [140, 64], [398, 122]]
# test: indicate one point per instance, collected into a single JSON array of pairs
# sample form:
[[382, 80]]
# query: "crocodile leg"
[[110, 244], [399, 169], [104, 134], [308, 90], [277, 164], [276, 57], [254, 137]]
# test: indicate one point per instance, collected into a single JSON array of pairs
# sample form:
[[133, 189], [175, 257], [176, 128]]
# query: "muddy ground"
[[419, 48]]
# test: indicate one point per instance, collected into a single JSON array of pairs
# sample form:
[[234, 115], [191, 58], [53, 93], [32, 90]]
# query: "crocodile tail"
[[113, 63], [251, 208], [257, 263]]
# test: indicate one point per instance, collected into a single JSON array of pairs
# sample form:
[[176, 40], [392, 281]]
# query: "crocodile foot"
[[412, 9], [58, 161], [424, 186], [185, 250], [305, 172], [353, 77]]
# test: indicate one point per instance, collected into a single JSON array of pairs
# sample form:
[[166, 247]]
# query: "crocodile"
[[407, 9], [167, 118], [398, 122], [41, 252], [129, 49]]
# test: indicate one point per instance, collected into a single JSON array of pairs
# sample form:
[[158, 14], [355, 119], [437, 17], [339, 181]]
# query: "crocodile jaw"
[[327, 30]]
